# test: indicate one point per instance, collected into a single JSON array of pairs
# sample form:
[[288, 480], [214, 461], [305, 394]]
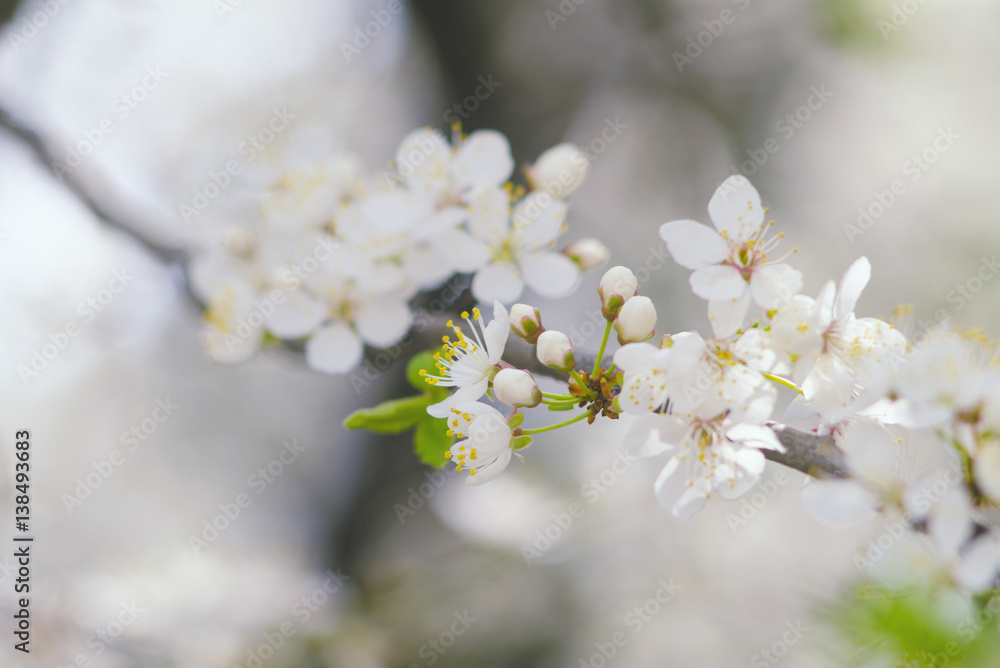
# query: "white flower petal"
[[334, 349], [464, 253], [500, 282], [635, 357], [550, 274], [735, 209], [676, 493], [851, 286], [755, 436], [296, 316], [693, 245], [537, 220], [486, 473], [718, 281], [496, 333], [382, 322], [650, 435], [483, 160], [734, 478], [980, 561], [774, 285], [489, 215], [726, 315]]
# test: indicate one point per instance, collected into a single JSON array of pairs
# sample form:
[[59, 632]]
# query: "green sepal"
[[520, 442], [390, 417], [431, 440], [562, 407], [515, 420]]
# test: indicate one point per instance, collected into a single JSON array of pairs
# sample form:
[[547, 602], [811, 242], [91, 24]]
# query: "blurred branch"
[[49, 161]]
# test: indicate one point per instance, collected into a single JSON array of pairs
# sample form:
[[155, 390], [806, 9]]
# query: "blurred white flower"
[[484, 450]]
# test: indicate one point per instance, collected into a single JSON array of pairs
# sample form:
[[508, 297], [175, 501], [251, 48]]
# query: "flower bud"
[[555, 351], [526, 322], [587, 253], [517, 388], [617, 287], [636, 320], [559, 171]]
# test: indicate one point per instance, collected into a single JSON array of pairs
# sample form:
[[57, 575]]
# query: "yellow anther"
[[465, 314]]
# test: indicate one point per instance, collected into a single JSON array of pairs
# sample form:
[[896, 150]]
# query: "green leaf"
[[431, 440], [391, 417], [562, 407]]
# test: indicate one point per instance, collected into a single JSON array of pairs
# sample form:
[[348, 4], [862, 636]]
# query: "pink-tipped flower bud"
[[555, 350], [617, 287], [526, 322], [636, 320], [517, 388], [587, 253], [559, 171]]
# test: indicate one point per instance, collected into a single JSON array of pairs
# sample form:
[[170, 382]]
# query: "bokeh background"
[[325, 549]]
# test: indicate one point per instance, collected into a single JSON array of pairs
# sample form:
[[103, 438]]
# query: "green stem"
[[579, 417], [781, 381], [600, 351], [558, 397], [583, 385]]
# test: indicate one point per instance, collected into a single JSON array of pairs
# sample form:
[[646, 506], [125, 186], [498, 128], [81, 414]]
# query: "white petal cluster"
[[334, 255]]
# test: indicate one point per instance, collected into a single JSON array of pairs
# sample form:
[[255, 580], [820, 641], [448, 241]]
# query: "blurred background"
[[869, 126]]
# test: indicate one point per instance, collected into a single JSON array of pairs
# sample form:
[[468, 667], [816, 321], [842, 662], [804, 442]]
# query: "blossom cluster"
[[707, 403], [334, 255]]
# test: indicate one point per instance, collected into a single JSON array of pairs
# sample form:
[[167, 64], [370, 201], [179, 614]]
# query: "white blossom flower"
[[718, 453], [451, 176], [484, 450], [693, 374], [843, 363], [732, 263], [516, 246], [469, 364]]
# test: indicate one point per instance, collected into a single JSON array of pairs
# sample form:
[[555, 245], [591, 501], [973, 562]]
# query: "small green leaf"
[[391, 417], [515, 420], [562, 407], [431, 440]]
